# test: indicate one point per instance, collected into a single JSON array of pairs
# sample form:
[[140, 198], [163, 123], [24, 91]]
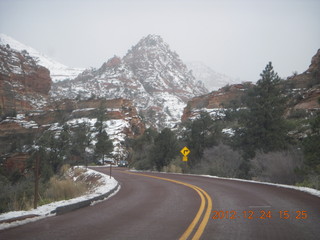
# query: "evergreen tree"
[[165, 149], [264, 127], [201, 133], [101, 117], [81, 139], [104, 145], [311, 145], [141, 148]]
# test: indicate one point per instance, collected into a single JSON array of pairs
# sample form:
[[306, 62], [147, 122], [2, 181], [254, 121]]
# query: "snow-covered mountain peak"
[[150, 74], [58, 71], [161, 69], [151, 41]]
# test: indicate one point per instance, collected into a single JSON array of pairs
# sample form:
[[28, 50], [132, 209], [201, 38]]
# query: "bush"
[[298, 113], [220, 161], [14, 197], [311, 181], [277, 167], [142, 164], [176, 166]]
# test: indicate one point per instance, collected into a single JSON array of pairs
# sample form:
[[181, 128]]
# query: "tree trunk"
[[36, 182]]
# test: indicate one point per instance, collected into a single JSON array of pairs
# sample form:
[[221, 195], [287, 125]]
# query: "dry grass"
[[71, 183], [63, 189]]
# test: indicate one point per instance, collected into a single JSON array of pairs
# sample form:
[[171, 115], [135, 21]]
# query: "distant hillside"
[[58, 71], [211, 79]]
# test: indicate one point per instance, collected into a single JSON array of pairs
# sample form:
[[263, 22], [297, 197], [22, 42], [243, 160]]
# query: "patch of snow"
[[228, 131], [303, 189], [83, 110]]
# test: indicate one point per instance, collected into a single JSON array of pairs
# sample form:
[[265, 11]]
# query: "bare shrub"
[[174, 166], [220, 161], [277, 167], [15, 197]]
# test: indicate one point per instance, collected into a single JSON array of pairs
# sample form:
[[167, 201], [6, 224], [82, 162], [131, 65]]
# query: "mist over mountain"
[[211, 79], [58, 71]]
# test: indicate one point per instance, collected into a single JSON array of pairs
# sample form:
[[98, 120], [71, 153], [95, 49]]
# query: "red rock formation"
[[24, 85], [315, 63], [307, 86], [16, 162], [308, 78], [222, 98]]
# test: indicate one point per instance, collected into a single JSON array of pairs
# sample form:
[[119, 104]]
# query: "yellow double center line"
[[206, 203]]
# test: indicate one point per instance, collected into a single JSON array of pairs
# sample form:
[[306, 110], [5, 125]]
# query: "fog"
[[237, 38]]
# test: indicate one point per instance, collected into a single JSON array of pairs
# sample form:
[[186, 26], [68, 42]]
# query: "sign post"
[[185, 152]]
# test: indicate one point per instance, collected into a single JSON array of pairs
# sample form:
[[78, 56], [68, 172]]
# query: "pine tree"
[[104, 145], [164, 150], [311, 145], [81, 139], [201, 133], [264, 127], [141, 149]]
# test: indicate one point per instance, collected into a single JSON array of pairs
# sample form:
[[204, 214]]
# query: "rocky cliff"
[[304, 89], [24, 85]]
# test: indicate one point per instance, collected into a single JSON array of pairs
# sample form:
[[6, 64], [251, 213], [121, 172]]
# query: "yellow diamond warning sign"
[[185, 151]]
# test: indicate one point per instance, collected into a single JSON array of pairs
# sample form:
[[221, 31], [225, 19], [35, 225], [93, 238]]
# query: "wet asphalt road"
[[149, 208]]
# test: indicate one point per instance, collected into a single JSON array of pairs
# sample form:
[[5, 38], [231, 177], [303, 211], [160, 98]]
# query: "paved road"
[[152, 208]]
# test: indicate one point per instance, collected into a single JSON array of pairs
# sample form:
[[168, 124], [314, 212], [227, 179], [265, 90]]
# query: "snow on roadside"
[[106, 185], [303, 189]]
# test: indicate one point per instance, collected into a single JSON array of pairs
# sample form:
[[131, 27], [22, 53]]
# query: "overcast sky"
[[237, 38]]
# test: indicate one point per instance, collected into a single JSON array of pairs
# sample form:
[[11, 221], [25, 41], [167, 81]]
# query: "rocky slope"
[[122, 121], [211, 79], [58, 71], [216, 102], [150, 74], [24, 85], [304, 88], [303, 91]]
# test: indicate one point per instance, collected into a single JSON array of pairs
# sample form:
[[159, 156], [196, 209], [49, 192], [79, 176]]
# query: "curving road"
[[173, 206]]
